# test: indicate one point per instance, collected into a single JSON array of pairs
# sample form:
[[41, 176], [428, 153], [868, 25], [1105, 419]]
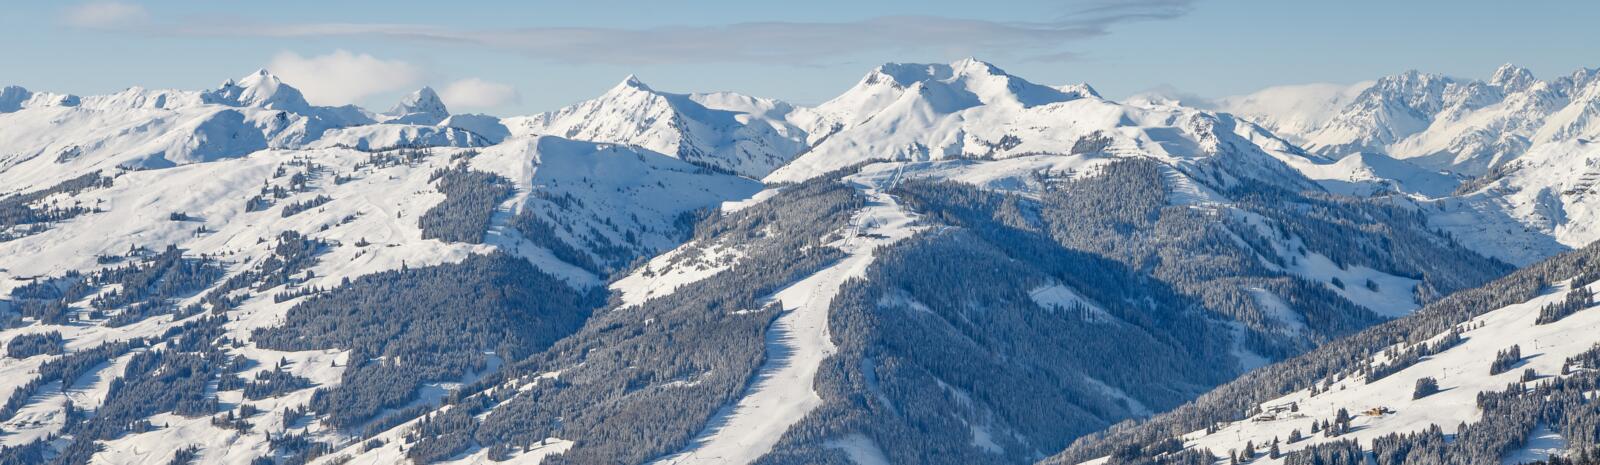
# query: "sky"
[[521, 57]]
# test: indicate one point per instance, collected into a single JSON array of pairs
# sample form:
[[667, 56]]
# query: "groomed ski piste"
[[781, 392], [1386, 406]]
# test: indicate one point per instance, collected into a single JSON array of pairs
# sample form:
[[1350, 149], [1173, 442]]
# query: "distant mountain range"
[[946, 263]]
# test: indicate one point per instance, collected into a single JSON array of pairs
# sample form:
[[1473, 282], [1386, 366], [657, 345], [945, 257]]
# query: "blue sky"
[[521, 57]]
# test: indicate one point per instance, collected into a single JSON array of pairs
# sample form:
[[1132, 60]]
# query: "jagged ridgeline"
[[1508, 416]]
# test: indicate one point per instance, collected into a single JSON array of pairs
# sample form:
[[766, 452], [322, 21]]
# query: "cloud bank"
[[343, 77], [759, 42], [109, 15], [478, 94]]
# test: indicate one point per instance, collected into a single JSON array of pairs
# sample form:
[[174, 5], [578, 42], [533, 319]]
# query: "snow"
[[781, 393], [642, 159], [667, 272], [1552, 192], [45, 143], [44, 414], [1184, 191], [1278, 310], [626, 195], [1292, 110], [1438, 122], [1543, 443], [1390, 296], [638, 191], [971, 110], [860, 449], [1058, 297], [420, 107], [677, 125], [376, 137], [736, 205], [488, 127], [1134, 405], [1365, 174], [1462, 372], [1248, 359], [1019, 175]]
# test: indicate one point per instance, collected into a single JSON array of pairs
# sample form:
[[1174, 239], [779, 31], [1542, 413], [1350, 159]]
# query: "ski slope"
[[1462, 372], [781, 392]]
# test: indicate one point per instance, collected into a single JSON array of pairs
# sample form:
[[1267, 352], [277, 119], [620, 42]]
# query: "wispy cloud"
[[759, 42], [343, 77], [108, 15], [478, 94]]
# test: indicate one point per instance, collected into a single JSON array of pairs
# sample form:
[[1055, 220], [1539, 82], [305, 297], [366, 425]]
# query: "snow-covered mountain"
[[1541, 202], [1461, 125], [732, 133], [944, 264], [50, 137], [421, 107], [573, 210], [1501, 163], [974, 110], [1291, 111]]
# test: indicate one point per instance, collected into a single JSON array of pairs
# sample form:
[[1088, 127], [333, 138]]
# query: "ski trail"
[[503, 235], [1185, 191], [781, 393]]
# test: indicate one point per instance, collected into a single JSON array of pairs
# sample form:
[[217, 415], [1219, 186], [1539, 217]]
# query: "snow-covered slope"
[[1462, 125], [387, 136], [1462, 373], [421, 107], [784, 391], [973, 110], [1528, 142], [486, 126], [1366, 174], [614, 202], [1545, 200], [1294, 110], [46, 138], [1495, 374], [1389, 404], [730, 133], [606, 202]]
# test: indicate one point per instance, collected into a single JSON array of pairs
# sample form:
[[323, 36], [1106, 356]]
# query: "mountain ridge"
[[945, 264]]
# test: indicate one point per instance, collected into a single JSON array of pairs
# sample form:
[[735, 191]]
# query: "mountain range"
[[946, 263]]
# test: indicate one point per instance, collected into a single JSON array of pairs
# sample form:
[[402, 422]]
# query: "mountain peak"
[[259, 89], [12, 97], [1080, 90], [632, 82], [421, 107], [1512, 77], [971, 65], [260, 77], [420, 101]]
